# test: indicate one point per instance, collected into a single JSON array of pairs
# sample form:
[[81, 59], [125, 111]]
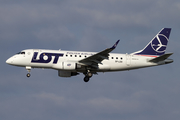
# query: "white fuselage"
[[54, 59]]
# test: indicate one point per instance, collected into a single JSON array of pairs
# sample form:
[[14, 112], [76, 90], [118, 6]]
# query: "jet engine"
[[66, 66], [63, 73]]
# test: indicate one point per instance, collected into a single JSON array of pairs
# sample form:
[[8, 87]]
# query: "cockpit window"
[[21, 53]]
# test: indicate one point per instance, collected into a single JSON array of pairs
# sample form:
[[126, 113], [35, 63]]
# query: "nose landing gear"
[[28, 75], [28, 68]]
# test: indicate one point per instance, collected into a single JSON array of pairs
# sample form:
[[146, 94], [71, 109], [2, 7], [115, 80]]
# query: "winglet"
[[114, 46]]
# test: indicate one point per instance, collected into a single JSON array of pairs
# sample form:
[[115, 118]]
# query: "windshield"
[[21, 53]]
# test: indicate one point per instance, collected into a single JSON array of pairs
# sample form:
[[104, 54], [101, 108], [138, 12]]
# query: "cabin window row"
[[116, 58], [86, 56], [74, 56]]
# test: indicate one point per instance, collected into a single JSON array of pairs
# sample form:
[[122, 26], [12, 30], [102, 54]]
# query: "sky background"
[[88, 25]]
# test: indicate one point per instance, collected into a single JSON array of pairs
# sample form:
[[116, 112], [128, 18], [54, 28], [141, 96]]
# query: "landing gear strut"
[[29, 70], [88, 75]]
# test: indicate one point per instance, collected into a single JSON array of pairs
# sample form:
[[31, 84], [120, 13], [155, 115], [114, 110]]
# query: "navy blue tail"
[[157, 46]]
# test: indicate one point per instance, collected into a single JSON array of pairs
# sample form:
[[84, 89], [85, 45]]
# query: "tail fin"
[[157, 46]]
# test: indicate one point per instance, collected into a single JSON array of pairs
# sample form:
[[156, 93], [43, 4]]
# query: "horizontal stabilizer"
[[161, 58]]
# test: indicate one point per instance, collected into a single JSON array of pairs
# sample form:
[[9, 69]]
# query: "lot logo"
[[68, 65], [46, 57]]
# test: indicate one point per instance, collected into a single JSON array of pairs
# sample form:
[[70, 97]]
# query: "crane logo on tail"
[[159, 43]]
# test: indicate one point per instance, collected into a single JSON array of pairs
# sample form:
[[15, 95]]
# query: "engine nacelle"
[[63, 73], [66, 66], [69, 66]]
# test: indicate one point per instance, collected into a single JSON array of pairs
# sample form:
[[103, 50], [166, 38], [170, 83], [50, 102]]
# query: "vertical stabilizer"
[[157, 46]]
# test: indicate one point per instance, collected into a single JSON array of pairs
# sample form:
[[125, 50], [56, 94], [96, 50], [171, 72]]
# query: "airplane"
[[72, 63]]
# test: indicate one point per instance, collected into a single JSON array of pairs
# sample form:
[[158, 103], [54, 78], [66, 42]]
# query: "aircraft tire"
[[86, 79], [28, 75]]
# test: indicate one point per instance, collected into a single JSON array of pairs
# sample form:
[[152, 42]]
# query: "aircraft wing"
[[161, 58], [97, 58]]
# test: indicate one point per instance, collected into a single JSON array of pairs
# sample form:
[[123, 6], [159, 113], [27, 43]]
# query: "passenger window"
[[116, 57], [112, 58]]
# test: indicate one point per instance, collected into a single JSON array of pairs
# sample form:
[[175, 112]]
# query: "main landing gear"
[[29, 70], [88, 75]]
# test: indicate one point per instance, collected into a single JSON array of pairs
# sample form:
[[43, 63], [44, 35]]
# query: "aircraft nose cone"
[[9, 61]]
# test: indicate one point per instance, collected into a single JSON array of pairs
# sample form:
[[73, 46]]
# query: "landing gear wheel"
[[86, 79], [28, 75], [28, 68]]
